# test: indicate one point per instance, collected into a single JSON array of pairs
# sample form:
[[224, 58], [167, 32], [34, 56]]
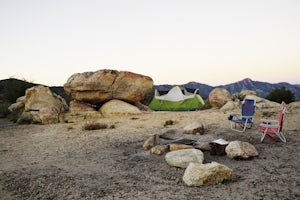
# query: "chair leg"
[[281, 137], [263, 137]]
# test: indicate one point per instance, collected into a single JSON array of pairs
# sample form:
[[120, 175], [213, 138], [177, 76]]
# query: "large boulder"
[[262, 103], [218, 97], [40, 106], [197, 174], [117, 107], [103, 85]]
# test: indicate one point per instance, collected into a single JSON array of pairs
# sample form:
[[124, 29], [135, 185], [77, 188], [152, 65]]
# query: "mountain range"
[[262, 88]]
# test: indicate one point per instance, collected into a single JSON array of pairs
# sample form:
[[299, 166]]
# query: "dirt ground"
[[63, 161]]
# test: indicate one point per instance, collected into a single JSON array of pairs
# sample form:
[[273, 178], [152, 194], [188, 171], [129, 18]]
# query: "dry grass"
[[94, 126]]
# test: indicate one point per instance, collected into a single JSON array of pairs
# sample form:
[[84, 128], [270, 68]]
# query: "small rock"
[[182, 158], [238, 149], [171, 134], [197, 174], [159, 149], [176, 147], [203, 146], [218, 147], [151, 142], [194, 128]]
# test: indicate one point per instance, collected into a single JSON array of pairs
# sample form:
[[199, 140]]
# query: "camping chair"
[[273, 128], [245, 120]]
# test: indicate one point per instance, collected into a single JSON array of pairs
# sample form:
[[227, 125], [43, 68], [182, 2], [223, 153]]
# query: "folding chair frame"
[[244, 121]]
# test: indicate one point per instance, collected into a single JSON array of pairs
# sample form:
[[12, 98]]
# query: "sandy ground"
[[62, 161]]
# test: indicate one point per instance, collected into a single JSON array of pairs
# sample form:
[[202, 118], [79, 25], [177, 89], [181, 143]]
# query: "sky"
[[213, 42]]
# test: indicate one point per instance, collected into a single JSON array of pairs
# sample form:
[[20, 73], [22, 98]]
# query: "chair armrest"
[[233, 116], [269, 125], [268, 121], [247, 117]]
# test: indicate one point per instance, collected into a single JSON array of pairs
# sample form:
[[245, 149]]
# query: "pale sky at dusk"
[[173, 41]]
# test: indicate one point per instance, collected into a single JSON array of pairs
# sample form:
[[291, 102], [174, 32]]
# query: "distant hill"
[[262, 88], [17, 88]]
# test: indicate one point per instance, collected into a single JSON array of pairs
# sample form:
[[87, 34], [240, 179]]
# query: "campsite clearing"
[[63, 161]]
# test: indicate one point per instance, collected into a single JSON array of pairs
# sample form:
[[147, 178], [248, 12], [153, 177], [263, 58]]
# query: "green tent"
[[176, 100]]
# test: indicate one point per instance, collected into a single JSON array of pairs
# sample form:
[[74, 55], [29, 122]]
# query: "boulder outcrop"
[[218, 97], [39, 106], [104, 85]]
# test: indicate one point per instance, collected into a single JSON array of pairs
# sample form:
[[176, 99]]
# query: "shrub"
[[14, 89], [4, 109], [281, 94], [206, 105], [169, 122]]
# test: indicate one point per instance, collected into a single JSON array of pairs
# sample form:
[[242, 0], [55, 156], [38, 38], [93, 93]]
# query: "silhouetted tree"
[[14, 89], [281, 94]]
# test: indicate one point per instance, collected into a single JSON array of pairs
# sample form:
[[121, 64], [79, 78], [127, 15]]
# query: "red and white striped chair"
[[273, 128]]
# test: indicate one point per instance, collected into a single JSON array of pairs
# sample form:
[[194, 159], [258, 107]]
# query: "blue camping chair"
[[246, 119]]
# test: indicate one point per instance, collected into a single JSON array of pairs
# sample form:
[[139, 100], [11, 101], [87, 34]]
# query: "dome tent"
[[176, 100]]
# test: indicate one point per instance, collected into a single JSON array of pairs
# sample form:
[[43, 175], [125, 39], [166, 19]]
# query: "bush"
[[281, 94], [14, 89], [4, 112], [206, 105]]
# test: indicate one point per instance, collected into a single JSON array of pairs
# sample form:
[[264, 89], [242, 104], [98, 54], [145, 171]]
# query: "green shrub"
[[281, 94]]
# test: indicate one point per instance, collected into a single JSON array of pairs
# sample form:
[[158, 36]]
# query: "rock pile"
[[115, 92], [185, 151], [39, 106]]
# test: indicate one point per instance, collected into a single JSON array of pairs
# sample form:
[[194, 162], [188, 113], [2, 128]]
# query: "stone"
[[218, 147], [171, 134], [79, 116], [197, 174], [16, 107], [262, 103], [117, 107], [230, 105], [182, 158], [176, 147], [159, 149], [240, 150], [80, 106], [104, 85], [152, 141], [131, 87], [195, 128], [218, 97], [40, 106], [244, 93]]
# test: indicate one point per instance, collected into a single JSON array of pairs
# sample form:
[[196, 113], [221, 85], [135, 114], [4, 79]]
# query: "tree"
[[281, 94]]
